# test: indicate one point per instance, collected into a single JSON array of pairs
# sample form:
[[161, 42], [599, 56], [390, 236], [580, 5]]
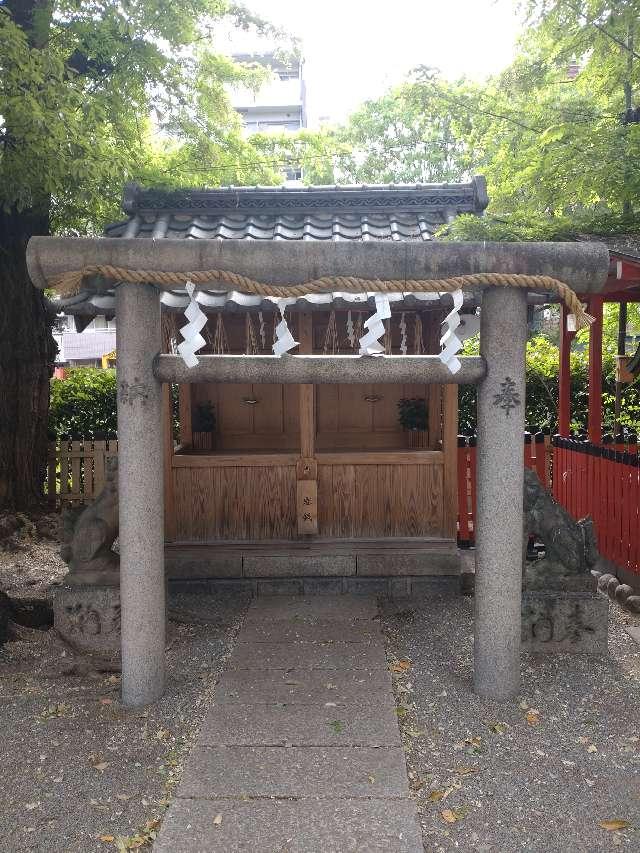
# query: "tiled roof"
[[387, 212], [380, 212]]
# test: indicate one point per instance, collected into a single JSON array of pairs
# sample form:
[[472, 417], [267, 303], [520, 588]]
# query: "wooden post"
[[184, 406], [594, 423], [307, 403], [450, 450], [169, 504], [307, 469], [564, 381]]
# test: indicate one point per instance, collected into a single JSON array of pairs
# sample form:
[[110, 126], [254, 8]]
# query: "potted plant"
[[412, 414], [203, 426]]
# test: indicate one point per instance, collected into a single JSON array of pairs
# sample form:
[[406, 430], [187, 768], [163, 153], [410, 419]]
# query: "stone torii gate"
[[498, 372]]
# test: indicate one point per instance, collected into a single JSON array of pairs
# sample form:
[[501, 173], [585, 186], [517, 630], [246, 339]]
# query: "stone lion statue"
[[89, 535]]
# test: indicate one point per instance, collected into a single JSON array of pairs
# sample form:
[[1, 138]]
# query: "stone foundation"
[[564, 622], [88, 619]]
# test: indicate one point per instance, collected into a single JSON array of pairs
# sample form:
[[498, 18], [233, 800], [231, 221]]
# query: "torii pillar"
[[141, 499], [498, 581]]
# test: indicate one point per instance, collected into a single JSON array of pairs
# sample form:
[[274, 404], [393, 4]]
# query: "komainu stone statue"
[[570, 546], [90, 535], [560, 611], [87, 607]]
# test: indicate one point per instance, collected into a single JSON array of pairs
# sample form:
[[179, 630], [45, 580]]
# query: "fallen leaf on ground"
[[499, 728], [101, 766], [107, 838], [217, 821], [453, 815], [338, 726], [402, 665], [465, 771], [613, 825], [533, 717], [592, 748], [435, 796]]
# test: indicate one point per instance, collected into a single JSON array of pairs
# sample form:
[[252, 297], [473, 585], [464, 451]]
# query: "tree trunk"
[[27, 354]]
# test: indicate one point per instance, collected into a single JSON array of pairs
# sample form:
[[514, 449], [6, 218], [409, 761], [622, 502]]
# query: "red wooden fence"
[[537, 456], [602, 481]]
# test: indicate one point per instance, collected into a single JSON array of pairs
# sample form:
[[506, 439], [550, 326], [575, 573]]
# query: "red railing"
[[537, 456], [602, 481]]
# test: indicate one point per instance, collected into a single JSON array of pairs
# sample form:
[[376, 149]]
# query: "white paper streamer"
[[193, 340], [370, 342], [263, 333], [449, 341], [284, 339]]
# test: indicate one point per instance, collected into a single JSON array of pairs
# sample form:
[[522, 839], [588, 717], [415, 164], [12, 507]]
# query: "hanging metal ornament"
[[262, 331], [418, 343], [351, 338], [250, 340], [331, 336], [358, 329], [403, 334], [220, 342]]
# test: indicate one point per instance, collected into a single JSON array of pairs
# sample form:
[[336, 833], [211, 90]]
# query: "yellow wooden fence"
[[76, 469]]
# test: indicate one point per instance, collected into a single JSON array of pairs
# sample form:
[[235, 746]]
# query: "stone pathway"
[[300, 752]]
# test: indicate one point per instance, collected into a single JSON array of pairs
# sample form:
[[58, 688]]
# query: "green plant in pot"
[[413, 417], [203, 426]]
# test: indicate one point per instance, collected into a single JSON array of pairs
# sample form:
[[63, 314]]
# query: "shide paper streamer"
[[284, 339], [370, 342], [193, 340], [449, 341]]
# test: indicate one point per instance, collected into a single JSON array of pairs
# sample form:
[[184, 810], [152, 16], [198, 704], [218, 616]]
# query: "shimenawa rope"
[[69, 283]]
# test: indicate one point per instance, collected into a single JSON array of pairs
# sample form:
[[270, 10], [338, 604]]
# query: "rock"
[[32, 612], [5, 616]]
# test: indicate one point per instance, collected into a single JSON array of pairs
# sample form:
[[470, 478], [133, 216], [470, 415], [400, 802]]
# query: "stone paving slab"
[[339, 656], [298, 631], [320, 607], [283, 826], [319, 768], [276, 771], [290, 725], [301, 686]]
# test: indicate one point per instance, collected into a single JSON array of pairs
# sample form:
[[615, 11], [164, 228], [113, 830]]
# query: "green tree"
[[92, 95], [406, 136]]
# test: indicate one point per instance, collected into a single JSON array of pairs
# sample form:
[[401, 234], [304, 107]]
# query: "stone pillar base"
[[88, 619]]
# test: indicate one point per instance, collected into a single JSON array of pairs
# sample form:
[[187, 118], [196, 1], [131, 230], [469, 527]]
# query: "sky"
[[356, 49]]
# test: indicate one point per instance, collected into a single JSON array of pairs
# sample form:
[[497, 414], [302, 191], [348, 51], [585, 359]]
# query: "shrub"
[[84, 404]]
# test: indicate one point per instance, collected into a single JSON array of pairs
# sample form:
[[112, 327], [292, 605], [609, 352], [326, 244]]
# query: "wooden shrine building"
[[321, 481]]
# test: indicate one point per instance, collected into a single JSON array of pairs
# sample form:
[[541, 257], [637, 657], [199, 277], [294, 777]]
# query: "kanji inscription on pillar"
[[307, 506]]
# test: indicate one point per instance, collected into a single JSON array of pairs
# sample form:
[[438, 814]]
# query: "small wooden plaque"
[[307, 507]]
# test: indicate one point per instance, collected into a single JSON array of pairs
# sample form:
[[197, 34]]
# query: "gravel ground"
[[80, 773], [537, 774]]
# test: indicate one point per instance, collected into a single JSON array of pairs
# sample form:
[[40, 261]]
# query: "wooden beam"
[[450, 451], [318, 369]]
